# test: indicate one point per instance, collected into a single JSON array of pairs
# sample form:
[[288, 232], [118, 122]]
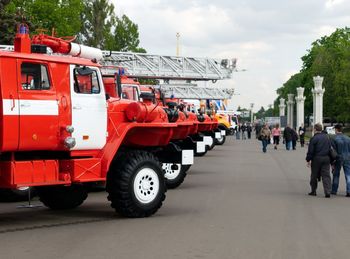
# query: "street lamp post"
[[251, 112]]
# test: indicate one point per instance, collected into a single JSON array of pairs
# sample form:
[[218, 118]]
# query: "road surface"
[[236, 202]]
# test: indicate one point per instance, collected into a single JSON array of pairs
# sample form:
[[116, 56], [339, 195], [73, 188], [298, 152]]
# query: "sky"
[[268, 37]]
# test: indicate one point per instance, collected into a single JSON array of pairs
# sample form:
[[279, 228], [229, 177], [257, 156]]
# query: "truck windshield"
[[130, 92]]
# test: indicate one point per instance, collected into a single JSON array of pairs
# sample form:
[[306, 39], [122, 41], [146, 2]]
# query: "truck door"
[[38, 107], [89, 108]]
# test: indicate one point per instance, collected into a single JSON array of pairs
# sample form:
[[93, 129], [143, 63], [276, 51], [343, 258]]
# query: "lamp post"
[[251, 112]]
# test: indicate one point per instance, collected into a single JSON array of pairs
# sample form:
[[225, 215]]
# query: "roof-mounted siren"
[[22, 40]]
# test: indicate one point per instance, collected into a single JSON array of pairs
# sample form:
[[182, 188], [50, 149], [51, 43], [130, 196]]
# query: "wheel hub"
[[171, 173], [146, 185]]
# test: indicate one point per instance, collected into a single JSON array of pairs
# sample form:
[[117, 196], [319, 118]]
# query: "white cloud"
[[333, 3], [268, 37]]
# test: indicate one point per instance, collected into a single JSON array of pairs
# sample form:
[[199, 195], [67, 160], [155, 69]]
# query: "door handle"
[[13, 105], [76, 107]]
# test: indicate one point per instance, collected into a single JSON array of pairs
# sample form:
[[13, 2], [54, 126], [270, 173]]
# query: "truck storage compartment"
[[15, 174], [82, 170]]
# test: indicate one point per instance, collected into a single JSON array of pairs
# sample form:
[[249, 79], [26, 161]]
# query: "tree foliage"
[[63, 16], [98, 18], [329, 57], [93, 21], [126, 35]]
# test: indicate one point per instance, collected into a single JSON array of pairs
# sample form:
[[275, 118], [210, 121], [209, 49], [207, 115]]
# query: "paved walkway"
[[236, 202]]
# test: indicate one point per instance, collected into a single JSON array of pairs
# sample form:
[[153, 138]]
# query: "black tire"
[[12, 195], [174, 182], [220, 141], [62, 197], [212, 145], [125, 172]]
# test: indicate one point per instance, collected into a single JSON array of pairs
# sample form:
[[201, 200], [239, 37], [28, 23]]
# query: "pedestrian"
[[294, 139], [238, 129], [249, 130], [257, 130], [342, 146], [264, 136], [318, 158], [287, 137], [276, 133], [301, 132], [244, 130]]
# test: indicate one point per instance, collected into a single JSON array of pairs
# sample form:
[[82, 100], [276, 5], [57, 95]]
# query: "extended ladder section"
[[177, 71], [141, 65], [7, 47], [192, 91]]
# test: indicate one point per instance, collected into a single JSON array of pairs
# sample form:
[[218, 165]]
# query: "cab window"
[[130, 92], [86, 82], [34, 76]]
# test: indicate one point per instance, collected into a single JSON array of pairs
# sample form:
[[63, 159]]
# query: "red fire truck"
[[59, 130]]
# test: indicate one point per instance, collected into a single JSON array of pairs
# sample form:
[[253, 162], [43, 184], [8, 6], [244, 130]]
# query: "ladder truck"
[[60, 131], [176, 75]]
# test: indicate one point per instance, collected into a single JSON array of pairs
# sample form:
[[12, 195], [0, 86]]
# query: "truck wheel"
[[174, 174], [62, 197], [135, 184], [212, 145], [221, 140], [19, 194], [203, 153]]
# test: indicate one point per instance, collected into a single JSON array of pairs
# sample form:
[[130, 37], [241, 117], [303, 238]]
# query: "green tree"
[[10, 18], [329, 57], [7, 23], [98, 18], [126, 36], [61, 16], [261, 113]]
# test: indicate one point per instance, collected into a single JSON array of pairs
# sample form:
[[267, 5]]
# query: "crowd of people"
[[326, 154], [274, 134]]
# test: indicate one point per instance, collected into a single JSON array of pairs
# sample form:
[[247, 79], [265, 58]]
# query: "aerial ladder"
[[176, 74], [178, 77]]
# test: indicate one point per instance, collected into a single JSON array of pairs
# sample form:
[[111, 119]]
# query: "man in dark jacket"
[[342, 146], [294, 139], [287, 137], [318, 158]]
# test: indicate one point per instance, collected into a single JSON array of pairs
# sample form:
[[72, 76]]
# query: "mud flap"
[[174, 154]]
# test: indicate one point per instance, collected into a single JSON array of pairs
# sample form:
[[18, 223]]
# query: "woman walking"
[[276, 133], [265, 135]]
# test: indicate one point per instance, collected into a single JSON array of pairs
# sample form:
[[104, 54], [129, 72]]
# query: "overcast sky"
[[268, 37]]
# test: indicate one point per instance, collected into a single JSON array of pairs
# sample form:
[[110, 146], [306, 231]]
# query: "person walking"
[[342, 146], [287, 137], [276, 133], [294, 139], [238, 130], [264, 136], [301, 132], [318, 159], [244, 130], [249, 130]]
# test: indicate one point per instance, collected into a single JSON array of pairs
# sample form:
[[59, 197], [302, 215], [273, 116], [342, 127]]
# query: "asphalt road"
[[236, 202]]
